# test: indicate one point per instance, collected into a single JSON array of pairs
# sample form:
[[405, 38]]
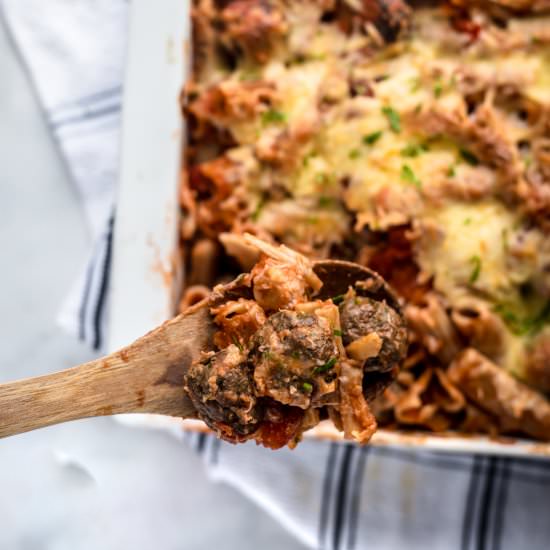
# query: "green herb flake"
[[249, 74], [354, 154], [324, 179], [305, 161], [272, 116], [326, 367], [409, 176], [258, 210], [307, 387], [475, 261], [325, 202], [438, 90], [371, 139], [337, 332], [338, 299], [504, 235], [451, 172], [527, 325], [393, 117], [237, 343], [467, 221], [469, 157], [414, 149], [415, 84]]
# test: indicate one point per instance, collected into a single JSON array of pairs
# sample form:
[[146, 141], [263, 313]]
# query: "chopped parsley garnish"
[[325, 202], [467, 221], [324, 179], [409, 176], [249, 74], [414, 149], [451, 172], [438, 90], [469, 157], [337, 332], [258, 210], [415, 84], [307, 387], [237, 343], [272, 116], [476, 268], [504, 236], [393, 117], [326, 367], [354, 154], [338, 299], [306, 158], [526, 325], [371, 139]]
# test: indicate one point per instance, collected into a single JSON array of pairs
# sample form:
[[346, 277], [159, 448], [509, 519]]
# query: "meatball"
[[360, 316], [295, 357], [221, 388]]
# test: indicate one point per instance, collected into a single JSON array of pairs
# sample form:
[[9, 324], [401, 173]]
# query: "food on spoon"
[[288, 358]]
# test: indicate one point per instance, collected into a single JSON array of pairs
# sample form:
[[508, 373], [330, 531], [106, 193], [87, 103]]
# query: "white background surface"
[[91, 484]]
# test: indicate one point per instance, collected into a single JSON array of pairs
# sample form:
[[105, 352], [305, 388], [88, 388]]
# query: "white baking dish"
[[146, 268]]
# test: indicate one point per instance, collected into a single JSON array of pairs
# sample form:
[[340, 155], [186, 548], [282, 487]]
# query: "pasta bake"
[[410, 138]]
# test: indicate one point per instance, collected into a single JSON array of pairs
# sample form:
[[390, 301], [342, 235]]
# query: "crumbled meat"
[[255, 26], [389, 17], [277, 285], [216, 182], [225, 103], [238, 321]]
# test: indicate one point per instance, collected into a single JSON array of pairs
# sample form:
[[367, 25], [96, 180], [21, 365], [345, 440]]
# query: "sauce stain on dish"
[[140, 395], [159, 267]]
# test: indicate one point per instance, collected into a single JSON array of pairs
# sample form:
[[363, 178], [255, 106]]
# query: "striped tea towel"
[[330, 496]]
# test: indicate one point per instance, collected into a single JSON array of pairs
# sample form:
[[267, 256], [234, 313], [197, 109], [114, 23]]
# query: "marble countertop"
[[91, 484]]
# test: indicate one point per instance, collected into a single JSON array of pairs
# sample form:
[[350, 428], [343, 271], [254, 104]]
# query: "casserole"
[[152, 244]]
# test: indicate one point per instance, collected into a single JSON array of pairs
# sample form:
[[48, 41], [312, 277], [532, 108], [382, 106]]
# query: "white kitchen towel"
[[74, 53], [331, 496]]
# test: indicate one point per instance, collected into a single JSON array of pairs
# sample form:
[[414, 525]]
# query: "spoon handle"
[[145, 377]]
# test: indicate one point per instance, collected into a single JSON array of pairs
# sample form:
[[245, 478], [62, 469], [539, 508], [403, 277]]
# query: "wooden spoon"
[[147, 376]]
